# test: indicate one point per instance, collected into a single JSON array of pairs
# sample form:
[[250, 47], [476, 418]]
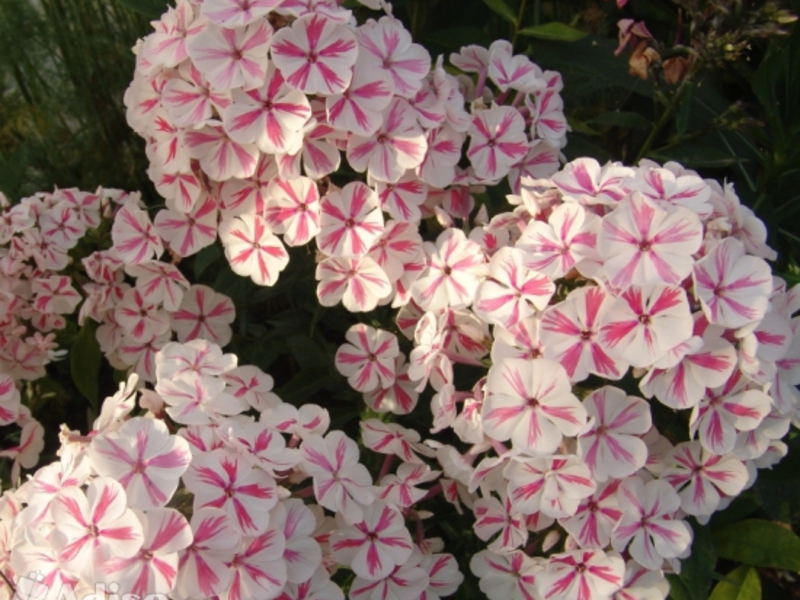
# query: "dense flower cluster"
[[193, 498], [599, 291], [247, 107]]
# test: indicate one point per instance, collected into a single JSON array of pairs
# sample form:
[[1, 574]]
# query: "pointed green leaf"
[[759, 543], [502, 9], [554, 32], [85, 361], [741, 584]]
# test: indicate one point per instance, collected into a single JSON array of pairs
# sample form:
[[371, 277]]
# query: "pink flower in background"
[[203, 570], [187, 233], [191, 101], [584, 181], [359, 108], [358, 283], [221, 157], [554, 485], [235, 13], [134, 237], [582, 575]]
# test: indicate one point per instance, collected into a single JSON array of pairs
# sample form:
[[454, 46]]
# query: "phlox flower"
[[259, 570], [341, 483], [94, 527], [231, 57], [609, 444], [190, 100], [701, 477], [454, 266], [248, 196], [235, 13], [139, 319], [438, 169], [359, 283], [725, 410], [251, 385], [62, 225], [584, 181], [733, 288], [368, 360], [494, 516], [531, 403], [401, 488], [642, 584], [134, 237], [252, 249], [402, 199], [582, 575], [498, 141], [141, 354], [557, 246], [293, 209], [31, 443], [387, 45], [400, 397], [192, 360], [406, 582], [259, 445], [302, 553], [645, 323], [744, 224], [444, 578], [315, 54], [197, 400], [549, 123], [9, 400], [398, 144], [510, 576], [398, 245], [221, 157], [159, 283], [54, 294], [358, 109], [144, 458], [318, 587], [221, 480], [204, 314], [643, 243], [680, 378], [648, 527], [350, 221], [167, 149], [203, 571], [187, 233], [167, 46], [570, 333], [271, 116], [154, 568], [516, 72], [552, 485], [511, 292], [665, 186], [391, 438], [318, 153], [375, 545], [309, 419], [596, 517]]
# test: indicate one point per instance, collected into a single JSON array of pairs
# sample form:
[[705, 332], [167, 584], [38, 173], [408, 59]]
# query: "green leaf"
[[759, 543], [742, 584], [205, 258], [631, 120], [697, 570], [579, 126], [502, 9], [85, 359], [554, 32], [150, 8]]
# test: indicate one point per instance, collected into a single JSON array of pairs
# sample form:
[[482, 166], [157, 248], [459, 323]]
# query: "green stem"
[[518, 23], [664, 120]]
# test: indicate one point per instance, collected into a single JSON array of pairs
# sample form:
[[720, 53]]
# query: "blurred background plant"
[[712, 84]]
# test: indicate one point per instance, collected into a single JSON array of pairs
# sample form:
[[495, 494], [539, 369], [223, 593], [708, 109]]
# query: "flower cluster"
[[601, 280], [541, 336], [196, 499], [247, 108]]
